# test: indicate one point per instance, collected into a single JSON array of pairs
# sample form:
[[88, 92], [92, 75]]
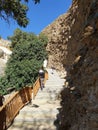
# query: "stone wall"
[[73, 46]]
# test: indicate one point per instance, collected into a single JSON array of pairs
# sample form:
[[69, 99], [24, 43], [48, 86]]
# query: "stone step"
[[47, 98], [38, 113], [30, 118], [33, 126], [27, 121], [50, 86], [49, 90]]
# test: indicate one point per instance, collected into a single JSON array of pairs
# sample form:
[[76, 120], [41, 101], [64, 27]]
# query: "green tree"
[[16, 9], [19, 37], [43, 39], [26, 59]]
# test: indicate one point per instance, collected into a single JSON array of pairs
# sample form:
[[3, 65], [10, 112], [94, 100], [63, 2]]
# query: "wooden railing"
[[18, 100], [13, 105]]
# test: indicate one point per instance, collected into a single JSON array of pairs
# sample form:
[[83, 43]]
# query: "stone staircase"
[[42, 112]]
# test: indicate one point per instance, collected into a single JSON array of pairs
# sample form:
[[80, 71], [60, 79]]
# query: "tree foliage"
[[27, 57], [20, 36], [16, 9]]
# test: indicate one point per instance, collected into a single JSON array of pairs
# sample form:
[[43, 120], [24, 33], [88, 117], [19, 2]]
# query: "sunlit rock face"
[[5, 53], [58, 35], [73, 46], [1, 53]]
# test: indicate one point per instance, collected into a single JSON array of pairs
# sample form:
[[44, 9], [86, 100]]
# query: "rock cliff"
[[5, 53], [73, 47]]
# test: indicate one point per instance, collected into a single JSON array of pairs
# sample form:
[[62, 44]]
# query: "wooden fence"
[[18, 100]]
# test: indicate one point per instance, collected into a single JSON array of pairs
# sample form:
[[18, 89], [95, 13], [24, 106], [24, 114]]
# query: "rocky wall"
[[80, 97], [73, 47]]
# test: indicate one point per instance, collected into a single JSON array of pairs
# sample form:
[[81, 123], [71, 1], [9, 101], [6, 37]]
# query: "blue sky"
[[40, 16]]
